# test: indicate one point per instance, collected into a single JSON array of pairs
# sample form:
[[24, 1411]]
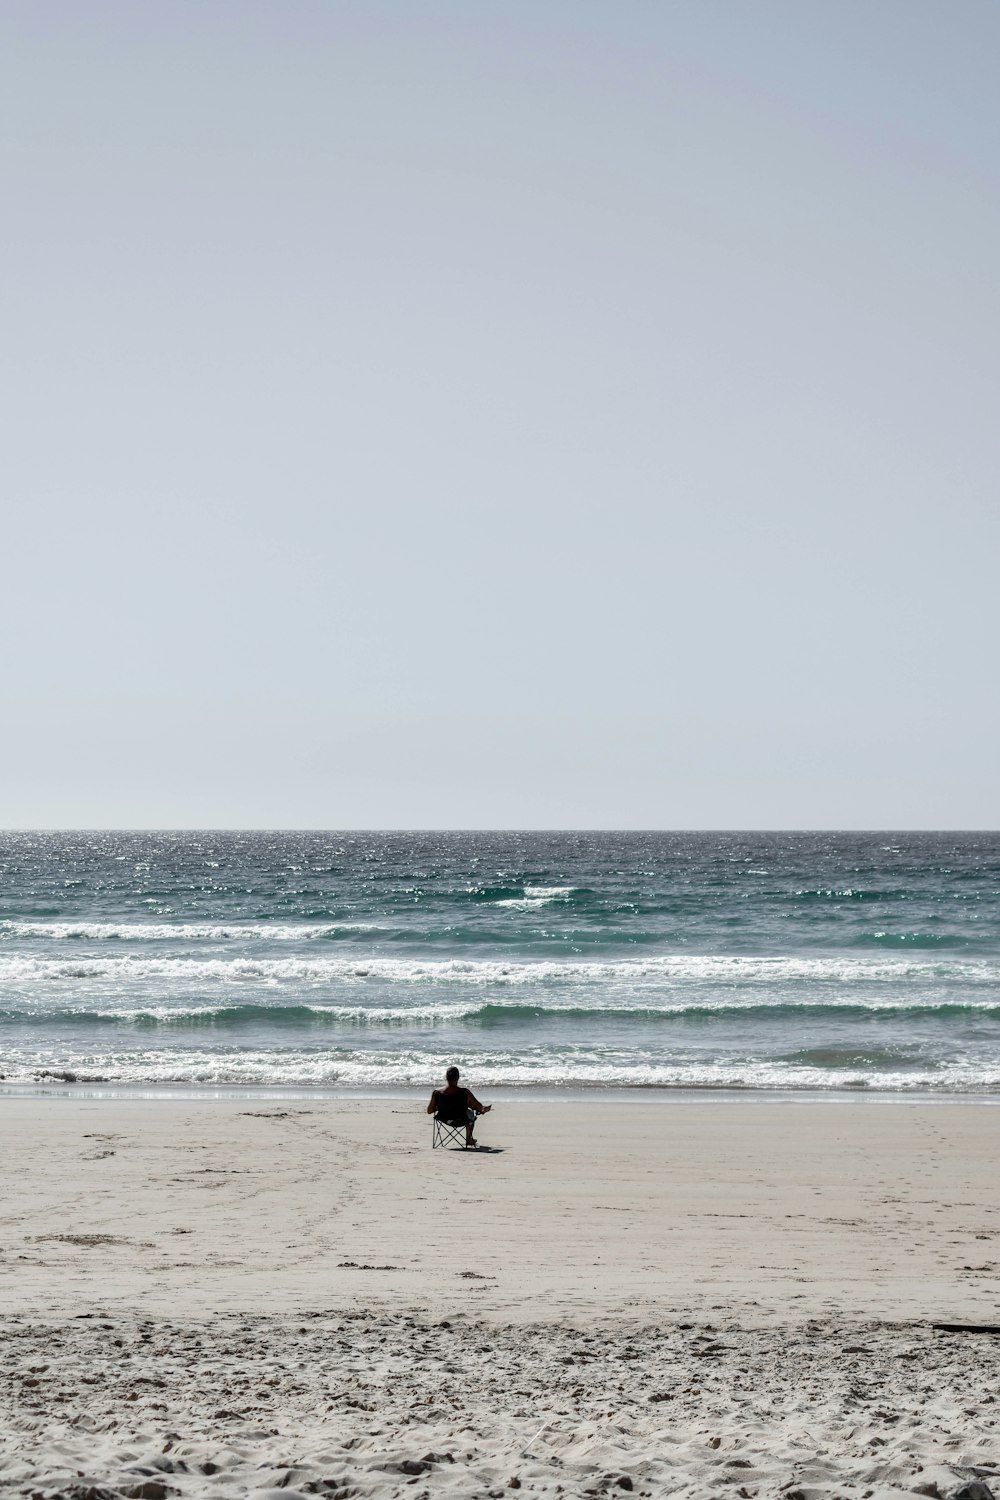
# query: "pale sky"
[[472, 414]]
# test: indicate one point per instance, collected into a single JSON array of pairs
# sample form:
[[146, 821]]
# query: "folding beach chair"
[[449, 1132]]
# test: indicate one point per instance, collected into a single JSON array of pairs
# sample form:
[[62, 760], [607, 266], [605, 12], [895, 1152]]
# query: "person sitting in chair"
[[457, 1106]]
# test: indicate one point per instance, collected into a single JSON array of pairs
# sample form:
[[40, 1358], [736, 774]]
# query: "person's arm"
[[481, 1109], [434, 1103]]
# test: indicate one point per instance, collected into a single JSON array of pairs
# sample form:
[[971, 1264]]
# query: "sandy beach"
[[223, 1296]]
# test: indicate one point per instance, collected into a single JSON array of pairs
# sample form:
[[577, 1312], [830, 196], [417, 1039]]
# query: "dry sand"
[[221, 1297]]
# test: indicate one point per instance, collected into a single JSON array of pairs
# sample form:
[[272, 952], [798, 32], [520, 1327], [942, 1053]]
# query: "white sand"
[[276, 1277]]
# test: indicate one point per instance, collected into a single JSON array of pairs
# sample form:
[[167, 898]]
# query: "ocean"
[[805, 961]]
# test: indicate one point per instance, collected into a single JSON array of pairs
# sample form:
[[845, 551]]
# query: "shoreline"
[[542, 1093]]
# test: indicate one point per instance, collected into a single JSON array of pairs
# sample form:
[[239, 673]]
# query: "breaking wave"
[[665, 970], [489, 1015]]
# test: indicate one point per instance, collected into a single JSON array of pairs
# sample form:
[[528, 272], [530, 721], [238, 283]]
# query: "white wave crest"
[[418, 1069], [165, 932], [735, 974], [523, 903], [537, 895]]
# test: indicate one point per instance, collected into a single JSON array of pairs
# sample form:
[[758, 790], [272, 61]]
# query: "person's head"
[[452, 1075]]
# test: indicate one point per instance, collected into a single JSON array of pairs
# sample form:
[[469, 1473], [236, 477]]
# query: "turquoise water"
[[715, 960]]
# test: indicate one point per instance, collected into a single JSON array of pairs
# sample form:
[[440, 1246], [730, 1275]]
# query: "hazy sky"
[[456, 413]]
